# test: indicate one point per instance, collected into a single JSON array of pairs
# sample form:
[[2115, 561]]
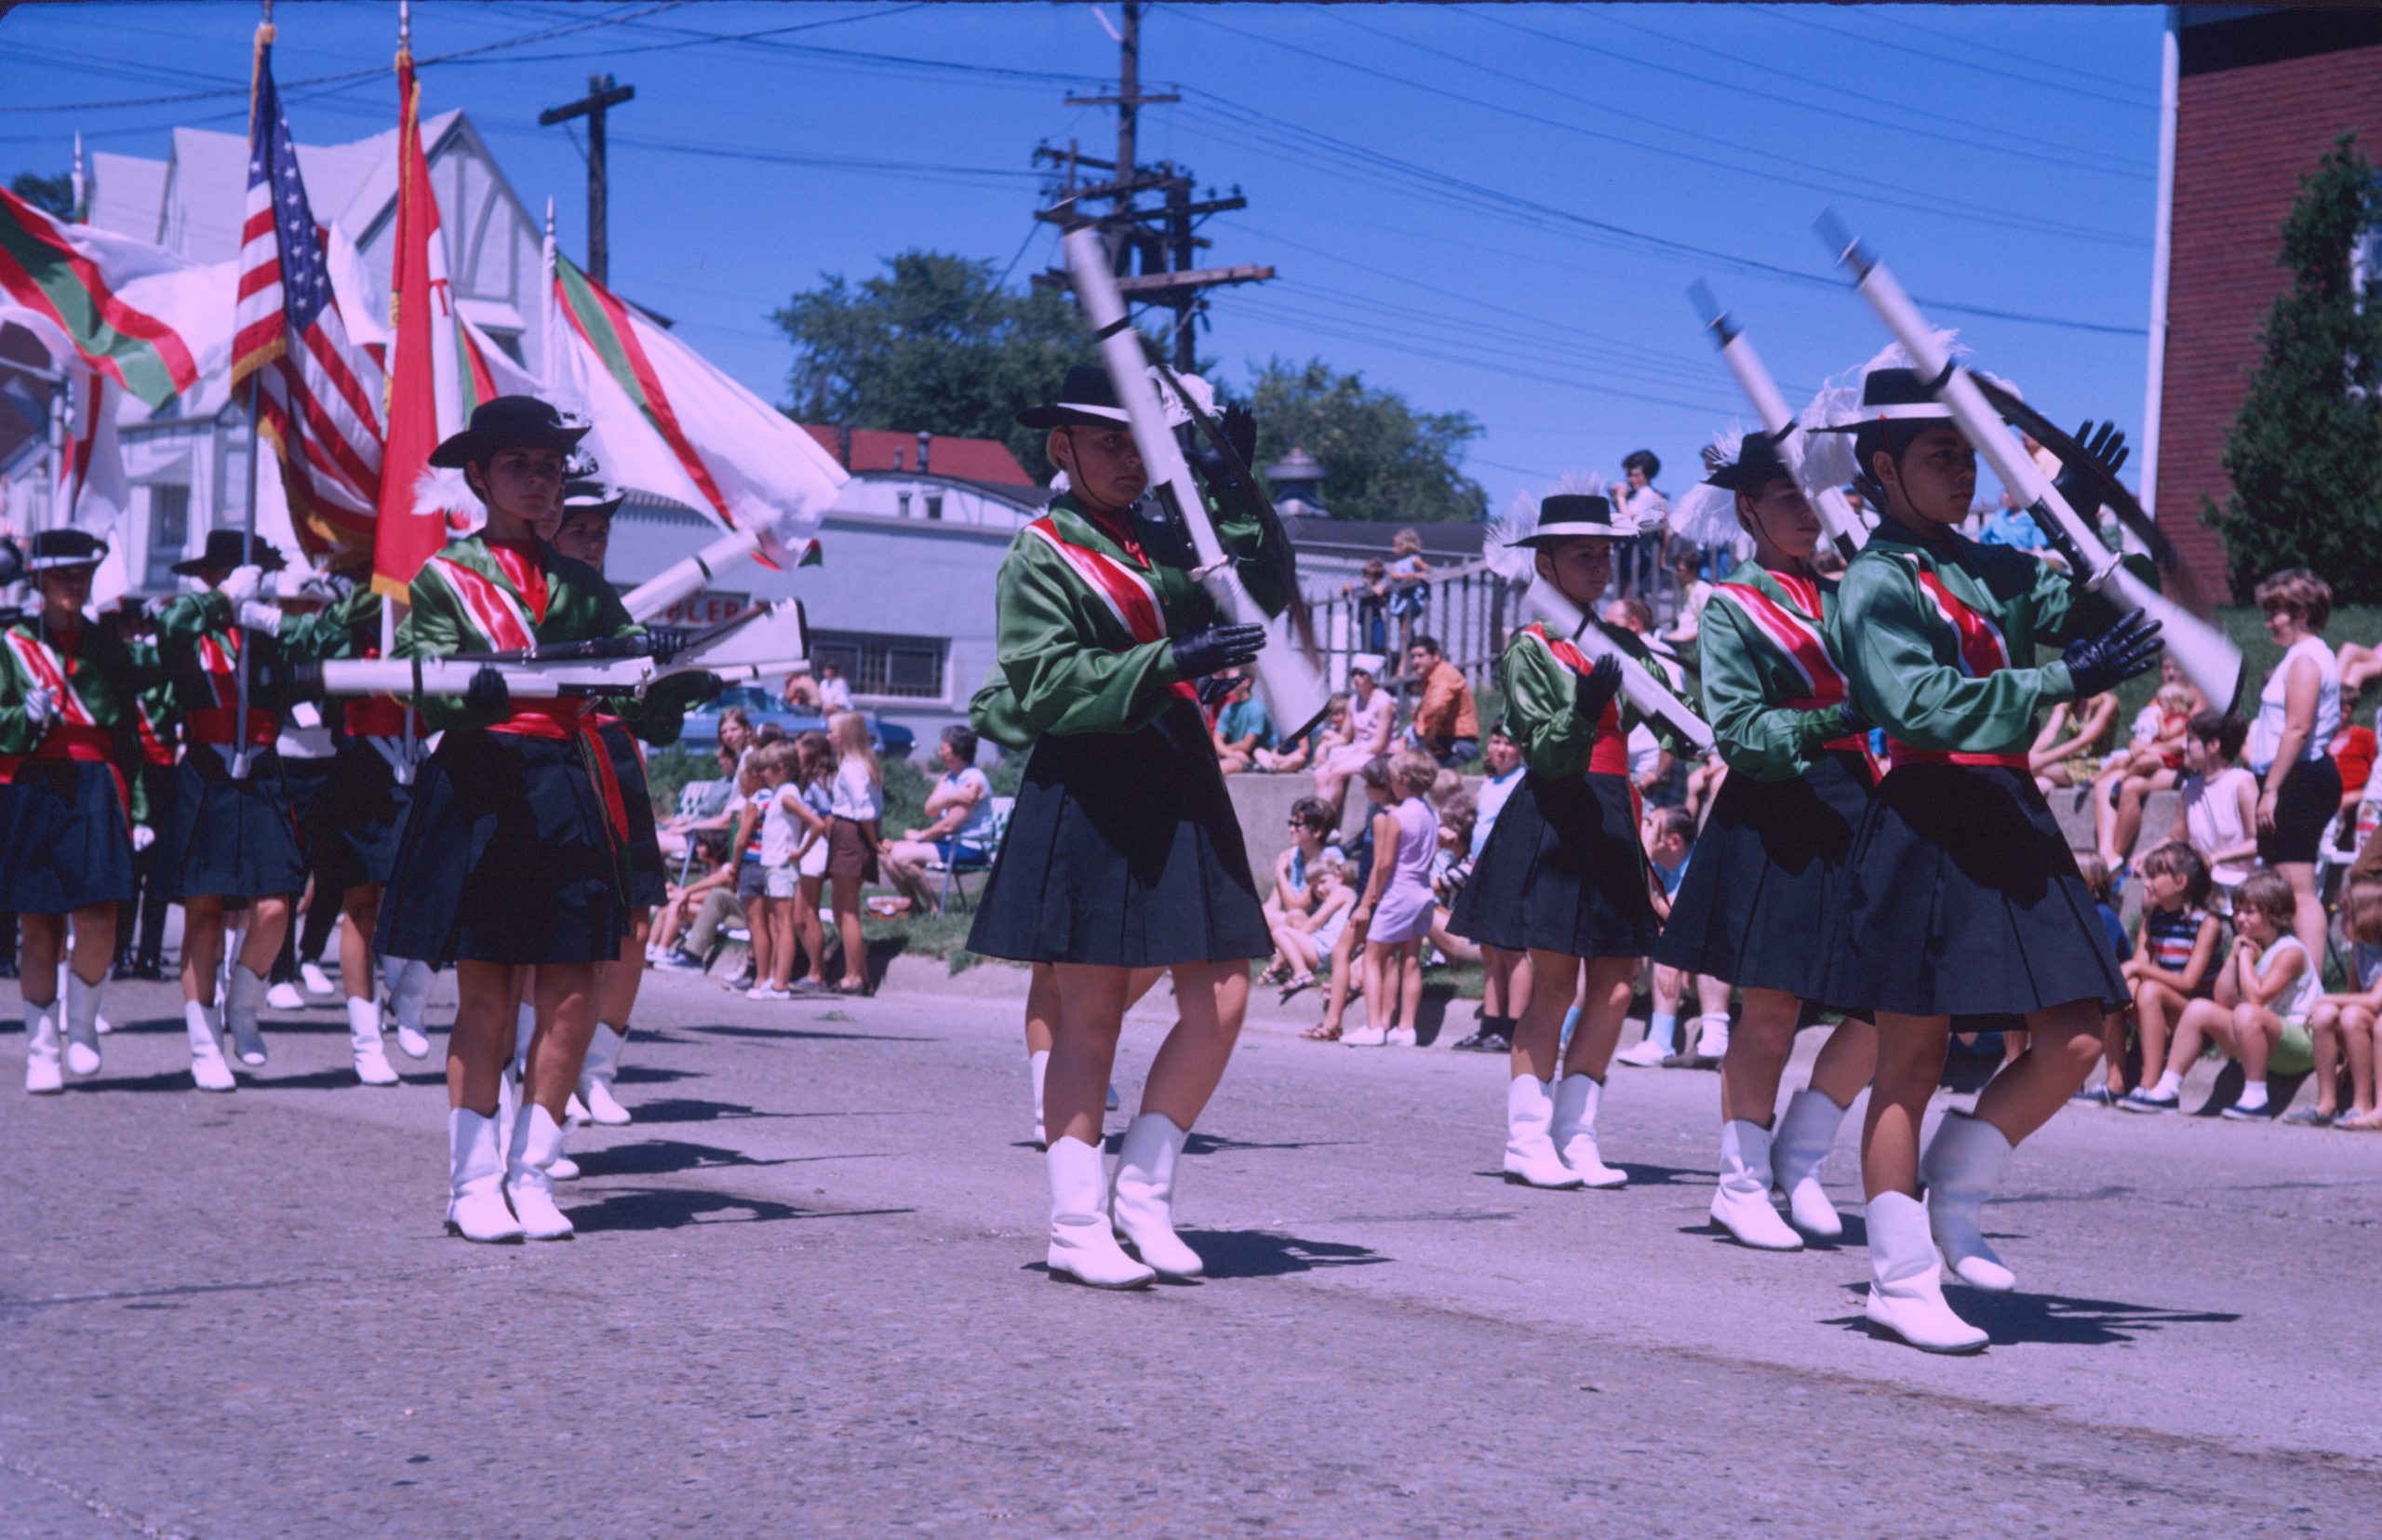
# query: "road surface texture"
[[807, 1298]]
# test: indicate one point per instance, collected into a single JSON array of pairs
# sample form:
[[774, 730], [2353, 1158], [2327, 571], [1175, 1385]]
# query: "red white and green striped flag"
[[666, 422], [118, 302]]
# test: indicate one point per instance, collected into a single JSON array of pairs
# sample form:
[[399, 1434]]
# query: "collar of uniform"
[[1081, 529], [1893, 533]]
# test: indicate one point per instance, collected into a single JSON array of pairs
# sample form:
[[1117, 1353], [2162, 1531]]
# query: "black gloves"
[[687, 691], [487, 695], [1215, 688], [2075, 484], [1595, 690], [1219, 647], [2116, 655], [1239, 430], [1850, 722], [663, 643]]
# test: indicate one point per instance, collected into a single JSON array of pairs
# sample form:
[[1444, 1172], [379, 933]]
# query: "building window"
[[231, 479], [508, 344], [906, 666], [169, 531], [934, 505]]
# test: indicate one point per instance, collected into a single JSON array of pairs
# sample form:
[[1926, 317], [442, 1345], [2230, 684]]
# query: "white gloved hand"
[[259, 616], [142, 838], [241, 586], [41, 705]]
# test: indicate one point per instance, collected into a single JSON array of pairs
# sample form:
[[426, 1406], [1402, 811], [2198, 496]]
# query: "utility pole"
[[601, 97], [1161, 242]]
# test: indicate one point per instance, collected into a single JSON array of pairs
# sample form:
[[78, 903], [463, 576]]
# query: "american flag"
[[317, 394]]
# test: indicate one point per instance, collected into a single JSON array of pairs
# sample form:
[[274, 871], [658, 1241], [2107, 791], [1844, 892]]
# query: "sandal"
[[1274, 974], [1291, 986], [2361, 1122], [1321, 1033], [854, 989]]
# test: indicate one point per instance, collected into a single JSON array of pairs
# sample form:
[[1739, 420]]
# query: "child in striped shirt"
[[2171, 965]]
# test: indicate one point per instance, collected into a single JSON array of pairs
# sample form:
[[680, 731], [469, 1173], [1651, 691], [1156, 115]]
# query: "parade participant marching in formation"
[[585, 535], [1961, 897], [1123, 851], [1563, 878], [70, 801], [510, 855], [1752, 907], [232, 843], [160, 732]]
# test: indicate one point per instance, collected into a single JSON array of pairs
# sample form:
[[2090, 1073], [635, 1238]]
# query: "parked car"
[[701, 733]]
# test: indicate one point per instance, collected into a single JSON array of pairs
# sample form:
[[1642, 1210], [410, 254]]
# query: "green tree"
[[2304, 455], [50, 195], [1384, 461], [934, 344]]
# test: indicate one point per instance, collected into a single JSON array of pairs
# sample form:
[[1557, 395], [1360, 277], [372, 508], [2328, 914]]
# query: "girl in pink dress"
[[1398, 902]]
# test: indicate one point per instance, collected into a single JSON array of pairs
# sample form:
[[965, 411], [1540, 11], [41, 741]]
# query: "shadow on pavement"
[[1208, 1144], [1264, 1253], [796, 1034], [2055, 1319], [660, 1156], [674, 1208], [690, 1109]]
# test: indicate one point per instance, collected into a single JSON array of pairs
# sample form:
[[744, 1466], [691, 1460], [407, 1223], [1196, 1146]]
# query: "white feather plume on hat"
[[1706, 515]]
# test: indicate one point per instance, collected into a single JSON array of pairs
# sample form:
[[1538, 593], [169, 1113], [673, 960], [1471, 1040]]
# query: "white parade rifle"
[[1295, 693], [2207, 659], [1516, 563], [774, 540], [764, 642], [1845, 529]]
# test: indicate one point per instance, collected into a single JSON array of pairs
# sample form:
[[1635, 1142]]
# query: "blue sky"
[[1495, 209]]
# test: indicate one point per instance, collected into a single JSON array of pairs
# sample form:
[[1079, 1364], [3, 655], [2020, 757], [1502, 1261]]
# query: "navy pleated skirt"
[[1767, 864], [1124, 851], [1563, 871], [64, 838], [1961, 898], [506, 857], [353, 828], [234, 839], [648, 878]]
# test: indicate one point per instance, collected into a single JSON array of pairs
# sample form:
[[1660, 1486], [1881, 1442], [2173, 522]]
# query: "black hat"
[[587, 495], [1892, 395], [52, 549], [510, 423], [229, 548], [1086, 397], [1756, 463], [1569, 516]]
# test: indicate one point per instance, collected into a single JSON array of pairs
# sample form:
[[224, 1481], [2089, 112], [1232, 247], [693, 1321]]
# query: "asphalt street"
[[807, 1298]]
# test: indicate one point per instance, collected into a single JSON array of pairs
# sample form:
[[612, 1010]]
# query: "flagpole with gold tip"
[[248, 523]]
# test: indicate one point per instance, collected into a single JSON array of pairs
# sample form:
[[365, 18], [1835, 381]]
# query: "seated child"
[[2169, 968], [2349, 1026], [2258, 1012]]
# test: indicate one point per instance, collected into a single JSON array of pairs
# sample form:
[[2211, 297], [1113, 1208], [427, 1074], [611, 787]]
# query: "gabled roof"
[[984, 459]]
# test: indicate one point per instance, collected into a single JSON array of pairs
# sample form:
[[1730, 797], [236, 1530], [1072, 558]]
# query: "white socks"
[[2253, 1097], [1663, 1030]]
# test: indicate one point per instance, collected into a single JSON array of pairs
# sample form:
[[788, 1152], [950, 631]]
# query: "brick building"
[[2258, 95]]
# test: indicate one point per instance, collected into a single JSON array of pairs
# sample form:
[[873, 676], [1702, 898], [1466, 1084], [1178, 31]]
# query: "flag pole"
[[389, 605], [546, 303], [248, 549]]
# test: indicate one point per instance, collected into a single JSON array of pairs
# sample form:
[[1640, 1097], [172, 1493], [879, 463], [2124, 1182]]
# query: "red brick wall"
[[2244, 137]]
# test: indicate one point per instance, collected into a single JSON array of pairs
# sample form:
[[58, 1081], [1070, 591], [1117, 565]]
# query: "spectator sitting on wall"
[[959, 815], [1242, 726], [1326, 735], [1446, 726], [835, 694]]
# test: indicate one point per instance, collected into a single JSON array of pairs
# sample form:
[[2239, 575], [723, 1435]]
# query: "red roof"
[[883, 449]]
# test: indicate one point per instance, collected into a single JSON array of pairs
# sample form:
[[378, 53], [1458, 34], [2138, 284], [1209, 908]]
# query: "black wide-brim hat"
[[1757, 464], [1893, 396], [590, 496], [229, 548], [1086, 398], [1573, 515], [53, 549], [510, 423]]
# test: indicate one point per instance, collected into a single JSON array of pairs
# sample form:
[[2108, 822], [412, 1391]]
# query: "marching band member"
[[1123, 851], [71, 807], [1750, 909], [1563, 876], [1959, 897], [232, 843], [510, 852]]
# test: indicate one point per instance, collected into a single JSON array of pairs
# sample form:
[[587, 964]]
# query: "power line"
[[2149, 98], [1945, 58]]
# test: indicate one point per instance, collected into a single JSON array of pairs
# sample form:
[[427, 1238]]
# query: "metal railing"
[[1469, 610]]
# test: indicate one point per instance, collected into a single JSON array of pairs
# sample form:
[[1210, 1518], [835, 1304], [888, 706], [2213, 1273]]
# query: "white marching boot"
[[476, 1184], [1905, 1283], [1145, 1195], [1741, 1205], [1038, 1065], [364, 1042], [1529, 1152], [83, 1025], [595, 1075], [206, 1065], [529, 1174], [1083, 1245], [243, 998], [1800, 1148], [408, 992], [41, 1077], [1576, 1100], [1962, 1164]]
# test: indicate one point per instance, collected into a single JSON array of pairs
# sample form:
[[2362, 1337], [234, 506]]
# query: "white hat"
[[1368, 663]]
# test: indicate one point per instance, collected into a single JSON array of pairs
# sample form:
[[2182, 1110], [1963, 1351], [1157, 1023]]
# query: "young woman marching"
[[1123, 851], [1752, 904], [69, 801], [233, 843], [1563, 878], [1961, 896], [511, 854]]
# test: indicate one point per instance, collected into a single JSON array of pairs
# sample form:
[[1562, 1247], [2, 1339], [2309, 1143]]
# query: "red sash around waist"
[[80, 743], [1609, 753], [1899, 755], [1852, 742], [213, 724], [563, 720]]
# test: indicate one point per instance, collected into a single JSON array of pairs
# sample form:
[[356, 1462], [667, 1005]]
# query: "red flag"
[[423, 406]]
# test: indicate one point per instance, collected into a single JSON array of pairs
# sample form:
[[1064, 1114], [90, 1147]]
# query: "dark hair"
[[1637, 609], [1676, 822], [1429, 644], [1377, 772], [1312, 812], [961, 742], [2268, 891], [1894, 436], [2302, 593], [1643, 460], [2177, 859], [770, 733], [2095, 873], [2227, 731]]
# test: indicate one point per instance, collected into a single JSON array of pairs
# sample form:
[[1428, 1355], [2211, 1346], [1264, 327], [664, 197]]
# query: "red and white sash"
[[42, 667], [1609, 755], [1983, 647], [1797, 636], [495, 609], [1128, 595]]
